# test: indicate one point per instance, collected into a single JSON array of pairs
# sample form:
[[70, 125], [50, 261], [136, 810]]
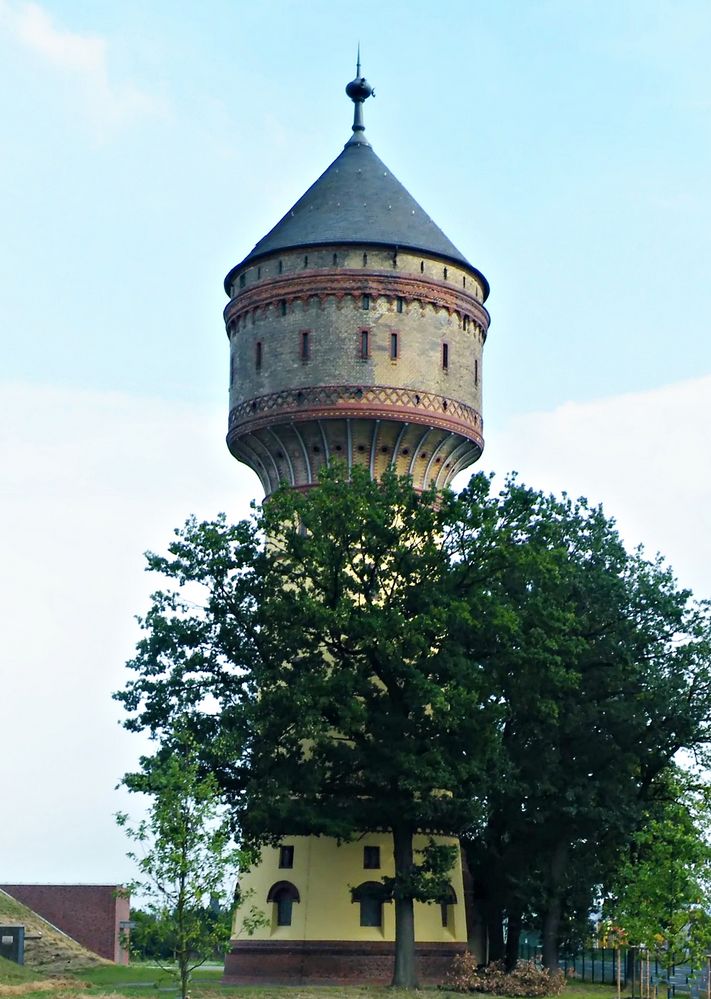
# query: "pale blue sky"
[[564, 147]]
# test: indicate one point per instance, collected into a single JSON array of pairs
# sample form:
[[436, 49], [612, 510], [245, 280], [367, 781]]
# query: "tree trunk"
[[405, 970], [494, 931], [554, 909], [513, 938]]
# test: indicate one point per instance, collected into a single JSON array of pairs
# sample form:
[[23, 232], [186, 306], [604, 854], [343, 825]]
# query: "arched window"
[[370, 895], [450, 898], [283, 894]]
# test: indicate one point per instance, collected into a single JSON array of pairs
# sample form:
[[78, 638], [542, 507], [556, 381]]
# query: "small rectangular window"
[[305, 345], [393, 346], [258, 355], [242, 280], [444, 909], [306, 261], [400, 304], [444, 272], [281, 266], [286, 856], [445, 356], [282, 306], [364, 344], [371, 858], [366, 302], [476, 372], [335, 259], [465, 323], [259, 272]]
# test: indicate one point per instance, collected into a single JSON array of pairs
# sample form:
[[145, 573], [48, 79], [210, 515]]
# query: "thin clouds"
[[643, 454], [82, 59]]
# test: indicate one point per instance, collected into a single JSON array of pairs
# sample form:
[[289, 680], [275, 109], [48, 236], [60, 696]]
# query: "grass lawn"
[[143, 980]]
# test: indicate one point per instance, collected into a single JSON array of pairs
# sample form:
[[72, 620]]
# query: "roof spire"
[[358, 90]]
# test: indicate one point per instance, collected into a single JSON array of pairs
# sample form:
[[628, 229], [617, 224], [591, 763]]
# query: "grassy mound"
[[47, 948]]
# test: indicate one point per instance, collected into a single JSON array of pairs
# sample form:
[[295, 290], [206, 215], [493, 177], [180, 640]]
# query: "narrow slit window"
[[242, 280], [364, 344], [258, 355], [476, 372], [305, 345], [445, 273], [400, 304], [281, 266], [445, 356], [366, 302], [259, 272], [306, 261], [394, 347], [422, 267], [282, 306], [365, 259], [465, 323], [335, 259]]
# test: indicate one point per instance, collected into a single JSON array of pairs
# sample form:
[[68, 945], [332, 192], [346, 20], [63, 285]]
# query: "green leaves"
[[184, 855], [495, 664]]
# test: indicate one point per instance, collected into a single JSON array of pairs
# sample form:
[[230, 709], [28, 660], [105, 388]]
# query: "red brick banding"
[[327, 962], [338, 283]]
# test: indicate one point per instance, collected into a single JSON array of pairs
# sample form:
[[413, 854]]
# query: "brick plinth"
[[327, 962]]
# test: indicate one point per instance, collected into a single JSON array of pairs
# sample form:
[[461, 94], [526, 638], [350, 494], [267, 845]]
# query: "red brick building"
[[93, 915]]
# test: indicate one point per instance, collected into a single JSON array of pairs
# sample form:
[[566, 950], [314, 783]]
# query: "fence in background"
[[599, 965]]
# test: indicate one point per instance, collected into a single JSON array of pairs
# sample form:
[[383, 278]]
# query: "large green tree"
[[602, 670], [334, 660], [489, 665]]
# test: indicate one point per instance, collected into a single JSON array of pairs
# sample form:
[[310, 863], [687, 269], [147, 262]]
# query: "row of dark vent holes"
[[243, 276], [361, 449], [365, 305]]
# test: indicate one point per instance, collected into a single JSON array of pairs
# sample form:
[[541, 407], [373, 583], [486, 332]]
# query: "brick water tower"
[[356, 331]]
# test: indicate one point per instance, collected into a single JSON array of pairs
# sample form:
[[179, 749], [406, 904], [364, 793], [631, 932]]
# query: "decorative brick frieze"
[[325, 283], [317, 402]]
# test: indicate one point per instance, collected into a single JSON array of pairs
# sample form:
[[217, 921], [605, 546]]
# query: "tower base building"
[[356, 332], [328, 921]]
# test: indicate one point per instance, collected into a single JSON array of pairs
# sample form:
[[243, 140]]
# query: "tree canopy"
[[492, 666]]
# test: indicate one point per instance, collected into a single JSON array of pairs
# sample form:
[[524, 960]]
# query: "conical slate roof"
[[357, 200]]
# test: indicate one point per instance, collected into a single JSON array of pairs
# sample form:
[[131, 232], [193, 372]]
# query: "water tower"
[[356, 331]]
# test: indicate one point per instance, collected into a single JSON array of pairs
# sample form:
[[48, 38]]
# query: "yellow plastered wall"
[[324, 874]]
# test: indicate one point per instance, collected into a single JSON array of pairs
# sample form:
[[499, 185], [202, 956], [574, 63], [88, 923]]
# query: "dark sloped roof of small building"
[[356, 200]]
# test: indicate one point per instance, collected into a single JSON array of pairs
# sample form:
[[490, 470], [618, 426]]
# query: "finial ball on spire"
[[359, 90]]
